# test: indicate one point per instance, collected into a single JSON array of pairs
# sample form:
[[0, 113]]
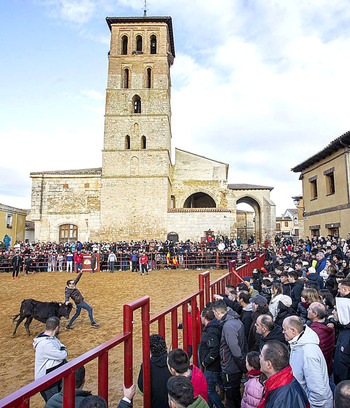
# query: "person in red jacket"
[[78, 259], [318, 315], [189, 325], [179, 364], [144, 262]]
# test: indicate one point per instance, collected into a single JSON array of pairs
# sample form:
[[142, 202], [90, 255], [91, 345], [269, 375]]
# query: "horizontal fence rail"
[[214, 259], [21, 397]]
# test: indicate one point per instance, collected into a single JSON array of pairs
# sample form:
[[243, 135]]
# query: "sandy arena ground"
[[106, 293]]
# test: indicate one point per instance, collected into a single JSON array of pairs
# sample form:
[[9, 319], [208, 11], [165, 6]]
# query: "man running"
[[72, 292]]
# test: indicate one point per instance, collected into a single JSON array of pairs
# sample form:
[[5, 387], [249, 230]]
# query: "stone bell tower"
[[136, 165]]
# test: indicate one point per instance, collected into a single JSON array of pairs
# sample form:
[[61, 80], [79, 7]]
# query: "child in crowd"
[[253, 388]]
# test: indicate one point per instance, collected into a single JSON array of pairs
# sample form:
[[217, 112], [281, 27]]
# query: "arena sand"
[[106, 293]]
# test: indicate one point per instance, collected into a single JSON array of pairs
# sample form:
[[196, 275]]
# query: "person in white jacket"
[[50, 353], [308, 363], [277, 296]]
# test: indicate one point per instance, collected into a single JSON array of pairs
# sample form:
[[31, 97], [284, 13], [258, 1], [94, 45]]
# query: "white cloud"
[[259, 84]]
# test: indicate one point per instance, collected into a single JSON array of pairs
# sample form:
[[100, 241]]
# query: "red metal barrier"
[[21, 397]]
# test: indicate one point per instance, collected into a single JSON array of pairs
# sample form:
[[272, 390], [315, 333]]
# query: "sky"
[[259, 84]]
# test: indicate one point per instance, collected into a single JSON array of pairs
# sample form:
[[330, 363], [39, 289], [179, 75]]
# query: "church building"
[[138, 192]]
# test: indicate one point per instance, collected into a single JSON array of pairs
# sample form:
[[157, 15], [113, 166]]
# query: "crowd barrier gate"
[[21, 397]]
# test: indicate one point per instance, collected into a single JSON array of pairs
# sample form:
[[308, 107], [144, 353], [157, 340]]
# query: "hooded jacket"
[[310, 368], [56, 401], [209, 349], [160, 375], [49, 352], [198, 402], [327, 339], [233, 346], [342, 349], [273, 306]]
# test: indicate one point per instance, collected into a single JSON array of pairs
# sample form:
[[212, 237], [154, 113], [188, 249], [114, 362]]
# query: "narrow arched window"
[[127, 142], [136, 102], [153, 44], [143, 142], [124, 45], [149, 78], [139, 43], [126, 79]]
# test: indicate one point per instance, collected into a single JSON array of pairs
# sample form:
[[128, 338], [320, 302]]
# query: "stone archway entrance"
[[249, 224], [199, 200]]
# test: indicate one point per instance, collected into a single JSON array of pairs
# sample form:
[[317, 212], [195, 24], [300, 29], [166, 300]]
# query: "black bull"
[[33, 309]]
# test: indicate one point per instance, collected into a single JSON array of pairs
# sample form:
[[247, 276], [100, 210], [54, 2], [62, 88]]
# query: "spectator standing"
[[69, 261], [7, 242], [179, 365], [16, 264], [78, 259], [281, 389], [247, 311], [112, 259], [181, 394], [233, 349], [342, 348], [209, 355], [342, 394], [144, 262], [268, 330], [297, 287], [159, 372], [317, 314], [134, 261], [93, 261], [50, 354], [253, 388], [308, 363], [56, 401]]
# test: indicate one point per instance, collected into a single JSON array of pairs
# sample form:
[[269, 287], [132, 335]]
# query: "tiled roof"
[[248, 187], [95, 171], [336, 144]]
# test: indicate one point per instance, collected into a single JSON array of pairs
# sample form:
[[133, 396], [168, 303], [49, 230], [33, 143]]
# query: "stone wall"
[[65, 199], [191, 223]]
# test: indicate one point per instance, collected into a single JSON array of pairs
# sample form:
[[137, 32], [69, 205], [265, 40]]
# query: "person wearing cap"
[[259, 307]]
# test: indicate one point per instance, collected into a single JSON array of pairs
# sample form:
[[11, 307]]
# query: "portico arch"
[[199, 200], [257, 227]]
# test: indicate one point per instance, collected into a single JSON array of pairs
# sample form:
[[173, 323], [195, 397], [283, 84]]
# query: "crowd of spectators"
[[284, 332], [124, 256]]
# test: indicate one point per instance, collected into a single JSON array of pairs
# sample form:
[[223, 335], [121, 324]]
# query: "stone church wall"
[[58, 200], [191, 224]]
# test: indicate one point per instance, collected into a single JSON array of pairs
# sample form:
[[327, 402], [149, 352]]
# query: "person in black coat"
[[16, 264], [159, 372], [268, 330], [209, 354], [247, 311], [342, 347], [297, 287]]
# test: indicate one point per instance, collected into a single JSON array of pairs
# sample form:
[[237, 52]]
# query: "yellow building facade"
[[326, 189], [12, 223]]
